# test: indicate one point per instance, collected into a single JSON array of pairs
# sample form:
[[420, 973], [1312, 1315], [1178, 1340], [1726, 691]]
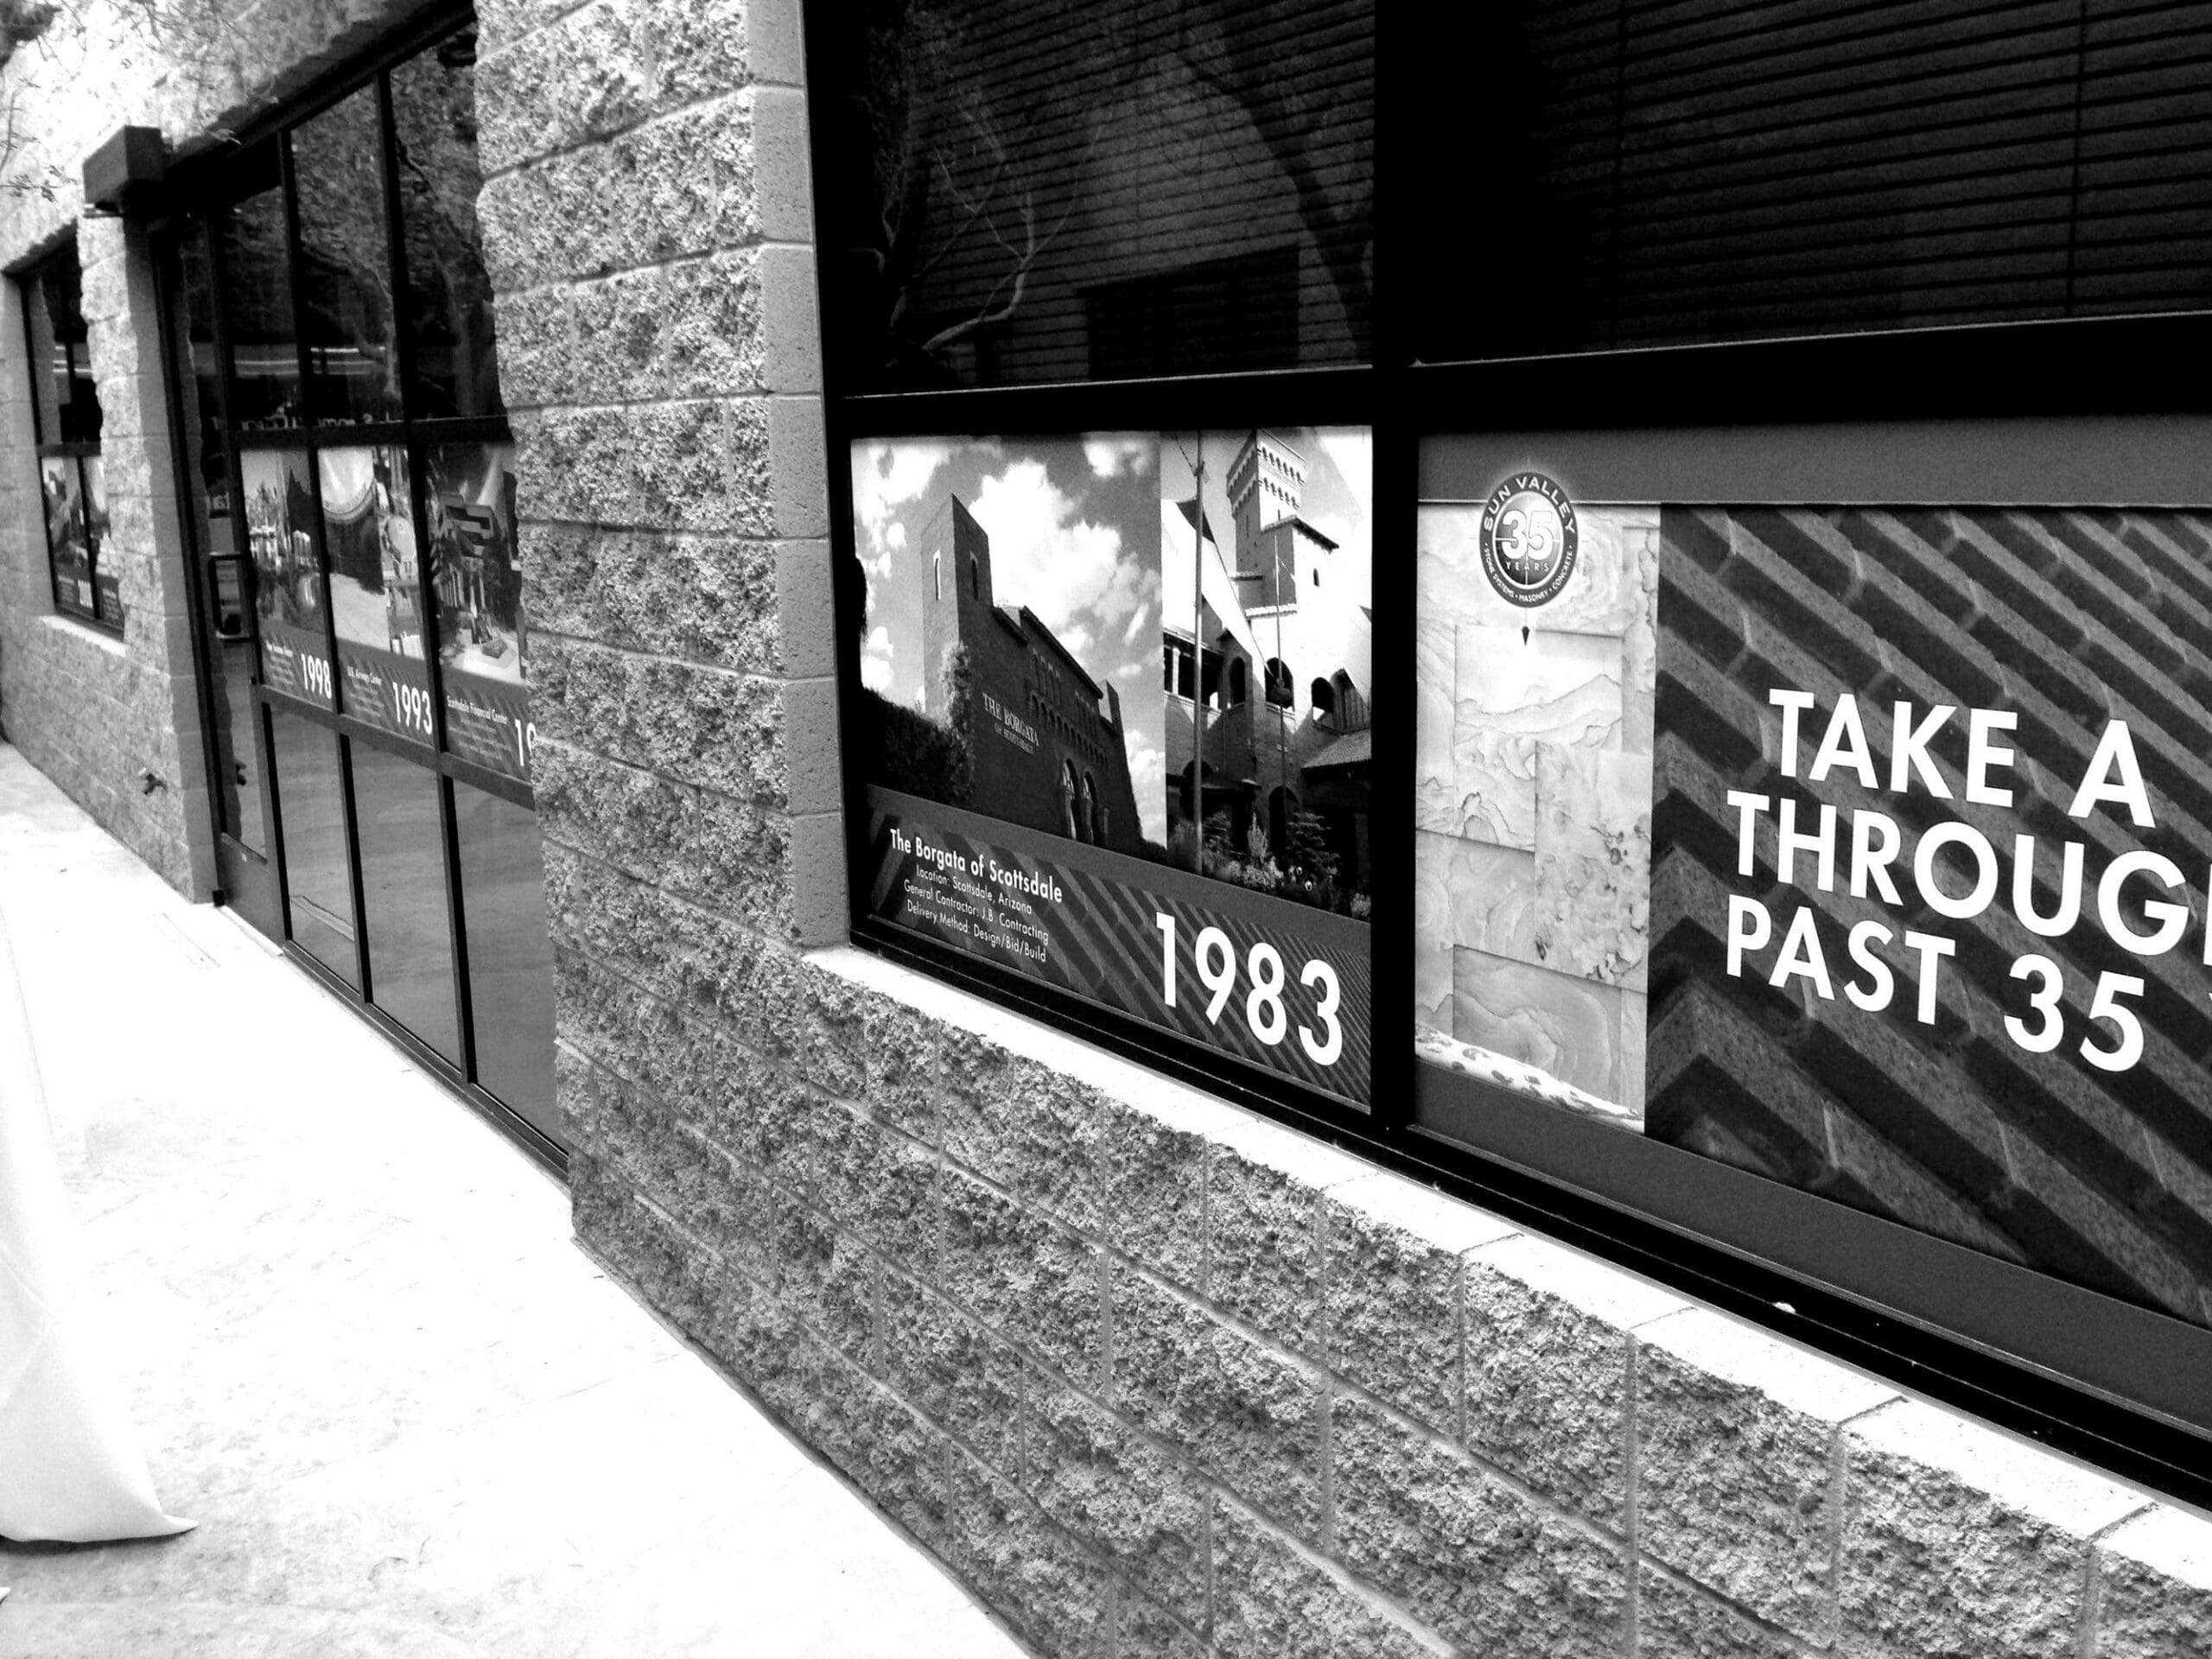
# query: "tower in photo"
[[1269, 738]]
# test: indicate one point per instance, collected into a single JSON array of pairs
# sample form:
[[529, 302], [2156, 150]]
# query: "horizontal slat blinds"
[[1684, 171]]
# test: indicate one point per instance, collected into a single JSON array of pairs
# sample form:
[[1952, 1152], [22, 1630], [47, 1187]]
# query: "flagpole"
[[1198, 661]]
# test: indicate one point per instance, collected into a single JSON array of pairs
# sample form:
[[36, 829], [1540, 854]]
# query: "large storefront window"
[[65, 412], [1275, 595], [353, 477]]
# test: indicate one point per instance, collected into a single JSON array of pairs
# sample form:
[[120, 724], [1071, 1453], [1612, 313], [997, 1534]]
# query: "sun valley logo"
[[1528, 538]]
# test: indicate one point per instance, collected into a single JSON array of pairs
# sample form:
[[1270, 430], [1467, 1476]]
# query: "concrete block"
[[702, 466], [1035, 1283], [1394, 1322], [1248, 1415], [790, 329], [1548, 1371], [1263, 1249], [827, 1275], [1140, 1510], [1674, 1621], [705, 727], [954, 1370], [1960, 1541], [784, 164], [1736, 1440], [806, 615], [1272, 1601], [799, 474], [814, 778], [2155, 1588], [1033, 1130], [1047, 1587], [777, 46]]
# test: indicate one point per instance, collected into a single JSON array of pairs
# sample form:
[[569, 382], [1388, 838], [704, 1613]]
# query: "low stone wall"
[[1156, 1376]]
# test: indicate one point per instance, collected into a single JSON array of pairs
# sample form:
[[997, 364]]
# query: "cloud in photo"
[[875, 660], [1046, 555], [1114, 454]]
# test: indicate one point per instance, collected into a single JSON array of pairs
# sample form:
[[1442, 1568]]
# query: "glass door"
[[364, 653]]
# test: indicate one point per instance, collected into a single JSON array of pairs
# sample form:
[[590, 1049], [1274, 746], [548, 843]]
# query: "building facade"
[[520, 714]]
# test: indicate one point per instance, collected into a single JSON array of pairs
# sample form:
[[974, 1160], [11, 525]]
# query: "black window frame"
[[2086, 1373], [76, 452]]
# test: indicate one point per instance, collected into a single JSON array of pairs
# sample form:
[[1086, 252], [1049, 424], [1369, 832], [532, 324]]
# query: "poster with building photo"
[[1049, 796], [376, 589], [68, 532], [1862, 849], [279, 510], [476, 594]]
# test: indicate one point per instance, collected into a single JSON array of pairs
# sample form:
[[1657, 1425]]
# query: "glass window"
[[65, 416], [311, 827], [345, 297], [403, 895], [509, 953], [1047, 190], [1670, 173], [265, 348], [448, 304]]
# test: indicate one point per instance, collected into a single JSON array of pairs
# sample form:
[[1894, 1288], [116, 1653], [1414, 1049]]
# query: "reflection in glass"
[[257, 303], [238, 796], [448, 307], [311, 827], [482, 637], [345, 263], [107, 584], [69, 407], [403, 895], [279, 508], [509, 953], [376, 589], [68, 535], [1062, 189]]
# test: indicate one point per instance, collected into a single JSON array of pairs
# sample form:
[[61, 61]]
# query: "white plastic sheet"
[[71, 1468]]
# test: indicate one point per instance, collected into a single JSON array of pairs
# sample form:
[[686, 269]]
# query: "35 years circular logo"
[[1528, 538]]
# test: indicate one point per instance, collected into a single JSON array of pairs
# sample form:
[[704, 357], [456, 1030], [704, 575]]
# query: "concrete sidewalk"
[[410, 1416]]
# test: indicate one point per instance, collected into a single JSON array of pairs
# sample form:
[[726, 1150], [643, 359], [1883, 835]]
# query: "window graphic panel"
[[279, 509], [1863, 849], [1074, 773], [476, 582], [68, 534], [376, 586]]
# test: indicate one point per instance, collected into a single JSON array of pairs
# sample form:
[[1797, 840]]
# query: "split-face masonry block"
[[1740, 1463], [1297, 1395], [1549, 1366], [1246, 1414], [1961, 1540], [2154, 1588]]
